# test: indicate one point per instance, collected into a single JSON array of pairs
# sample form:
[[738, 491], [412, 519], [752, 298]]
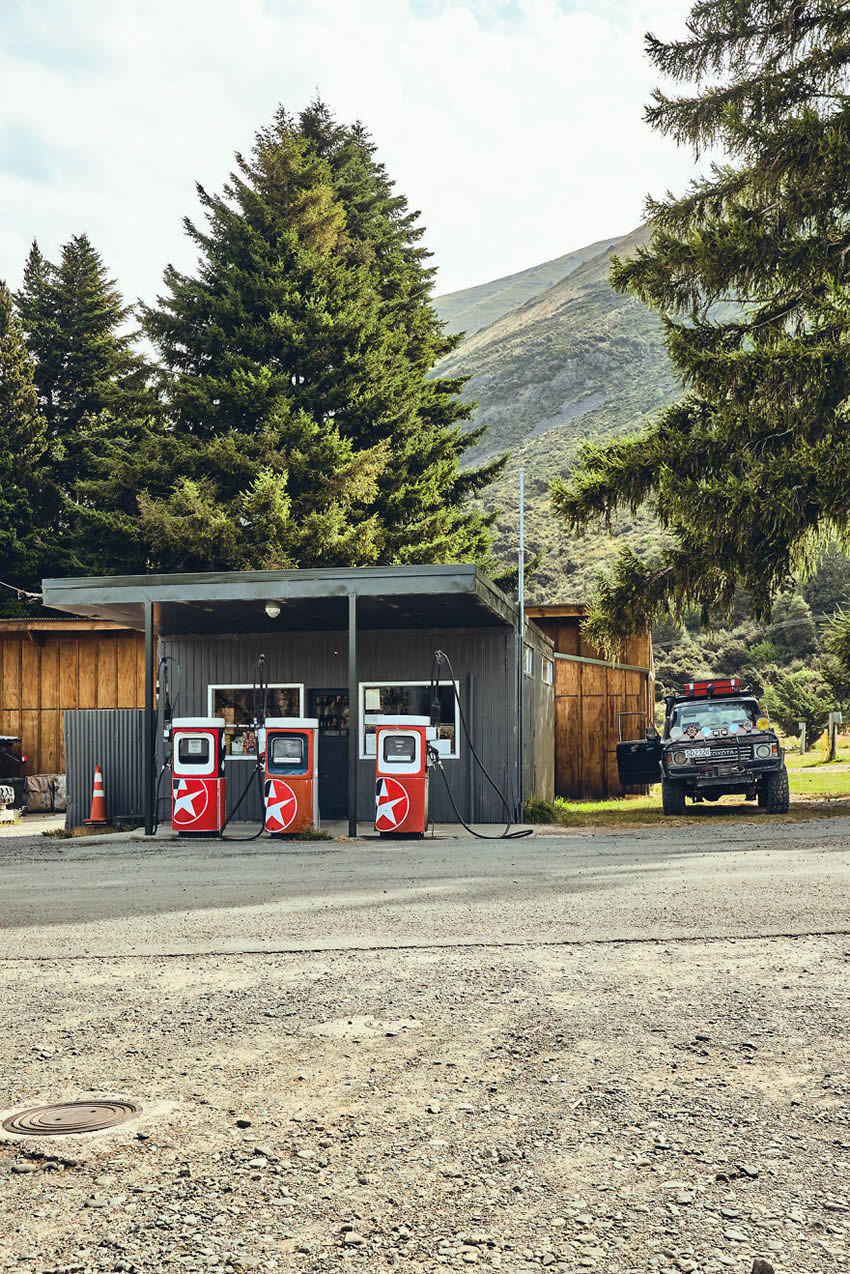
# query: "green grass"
[[824, 794]]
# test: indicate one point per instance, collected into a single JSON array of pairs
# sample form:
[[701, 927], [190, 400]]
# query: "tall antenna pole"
[[521, 669]]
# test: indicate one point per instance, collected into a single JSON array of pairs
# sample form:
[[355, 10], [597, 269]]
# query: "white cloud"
[[516, 127]]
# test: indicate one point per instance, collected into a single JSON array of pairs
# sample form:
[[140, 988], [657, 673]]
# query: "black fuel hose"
[[260, 695], [441, 657]]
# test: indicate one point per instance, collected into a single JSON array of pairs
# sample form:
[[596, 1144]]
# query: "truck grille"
[[740, 752]]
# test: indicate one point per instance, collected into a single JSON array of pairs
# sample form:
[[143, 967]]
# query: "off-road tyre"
[[672, 797], [777, 797]]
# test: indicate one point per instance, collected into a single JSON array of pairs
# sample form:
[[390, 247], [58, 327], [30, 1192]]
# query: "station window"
[[548, 671], [528, 660], [410, 699], [235, 704]]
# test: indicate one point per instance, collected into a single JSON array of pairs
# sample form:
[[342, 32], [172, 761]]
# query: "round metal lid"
[[69, 1117]]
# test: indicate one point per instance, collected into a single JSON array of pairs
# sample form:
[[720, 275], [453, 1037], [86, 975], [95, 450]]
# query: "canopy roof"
[[310, 600]]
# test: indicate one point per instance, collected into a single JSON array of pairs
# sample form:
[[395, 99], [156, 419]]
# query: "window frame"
[[212, 686], [528, 660], [363, 686], [547, 670]]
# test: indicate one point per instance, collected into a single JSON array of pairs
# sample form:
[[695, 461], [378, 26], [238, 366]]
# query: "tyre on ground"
[[777, 795], [672, 797]]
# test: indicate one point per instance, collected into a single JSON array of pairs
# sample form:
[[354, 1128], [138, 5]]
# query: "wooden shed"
[[48, 665], [591, 693]]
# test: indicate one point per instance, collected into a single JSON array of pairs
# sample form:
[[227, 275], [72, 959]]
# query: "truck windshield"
[[704, 712]]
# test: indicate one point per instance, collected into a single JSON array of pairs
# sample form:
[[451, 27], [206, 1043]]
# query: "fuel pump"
[[291, 788], [198, 782], [402, 762]]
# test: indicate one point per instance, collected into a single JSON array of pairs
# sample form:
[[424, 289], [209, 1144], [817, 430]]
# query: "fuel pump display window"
[[399, 747], [411, 699], [287, 749], [235, 703], [193, 750]]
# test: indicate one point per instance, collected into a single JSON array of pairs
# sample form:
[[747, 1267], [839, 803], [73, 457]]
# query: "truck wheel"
[[672, 797], [777, 797]]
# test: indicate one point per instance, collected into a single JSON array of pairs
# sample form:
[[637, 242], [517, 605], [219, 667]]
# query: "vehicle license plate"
[[695, 752]]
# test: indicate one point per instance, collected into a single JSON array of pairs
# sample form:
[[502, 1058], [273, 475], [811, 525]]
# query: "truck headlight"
[[680, 758], [763, 751]]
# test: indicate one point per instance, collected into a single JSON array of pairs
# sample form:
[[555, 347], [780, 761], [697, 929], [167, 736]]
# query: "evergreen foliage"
[[748, 270], [307, 429], [22, 444], [800, 696], [93, 394]]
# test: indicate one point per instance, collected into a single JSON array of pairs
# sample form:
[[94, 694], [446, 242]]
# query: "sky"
[[515, 126]]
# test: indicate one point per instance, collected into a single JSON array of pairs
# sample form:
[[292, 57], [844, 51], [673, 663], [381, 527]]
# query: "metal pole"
[[148, 745], [353, 715], [521, 670]]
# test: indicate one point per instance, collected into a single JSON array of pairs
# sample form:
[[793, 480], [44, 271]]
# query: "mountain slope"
[[473, 308], [574, 361]]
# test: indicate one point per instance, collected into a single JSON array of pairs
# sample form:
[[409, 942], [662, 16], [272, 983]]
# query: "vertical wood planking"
[[49, 684], [69, 652], [48, 762], [30, 674], [126, 676], [11, 675], [107, 672], [87, 693], [31, 739], [593, 746]]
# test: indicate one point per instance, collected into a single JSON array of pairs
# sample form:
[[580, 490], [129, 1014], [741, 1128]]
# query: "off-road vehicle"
[[717, 741]]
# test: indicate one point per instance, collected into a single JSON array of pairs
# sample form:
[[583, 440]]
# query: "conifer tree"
[[94, 395], [300, 350], [22, 444], [749, 269]]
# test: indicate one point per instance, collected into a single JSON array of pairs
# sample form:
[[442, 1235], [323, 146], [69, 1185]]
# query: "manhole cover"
[[69, 1117]]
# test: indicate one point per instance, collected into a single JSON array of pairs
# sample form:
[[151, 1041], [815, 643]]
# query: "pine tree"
[[22, 444], [749, 270], [95, 398], [301, 350]]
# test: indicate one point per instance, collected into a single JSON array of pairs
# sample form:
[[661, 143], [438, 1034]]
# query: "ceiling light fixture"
[[272, 609]]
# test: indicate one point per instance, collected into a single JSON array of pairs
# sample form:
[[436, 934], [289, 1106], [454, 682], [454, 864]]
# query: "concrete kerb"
[[337, 831]]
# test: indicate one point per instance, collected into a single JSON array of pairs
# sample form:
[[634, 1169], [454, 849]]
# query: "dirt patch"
[[662, 1106]]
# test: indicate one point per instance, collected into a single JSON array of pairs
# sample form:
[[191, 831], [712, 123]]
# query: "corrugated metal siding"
[[483, 661], [112, 739], [539, 718]]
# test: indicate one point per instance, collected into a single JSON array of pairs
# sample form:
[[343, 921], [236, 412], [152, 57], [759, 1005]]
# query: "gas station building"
[[343, 645]]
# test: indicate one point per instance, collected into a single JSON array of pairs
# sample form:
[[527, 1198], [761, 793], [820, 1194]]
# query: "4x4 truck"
[[717, 740]]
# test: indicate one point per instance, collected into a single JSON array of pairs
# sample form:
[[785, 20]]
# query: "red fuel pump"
[[402, 764], [198, 782], [291, 789]]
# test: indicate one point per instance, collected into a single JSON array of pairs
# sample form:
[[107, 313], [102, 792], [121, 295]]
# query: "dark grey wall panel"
[[112, 739], [484, 661]]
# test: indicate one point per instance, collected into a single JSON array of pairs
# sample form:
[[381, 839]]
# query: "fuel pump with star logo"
[[198, 782], [402, 766], [291, 788]]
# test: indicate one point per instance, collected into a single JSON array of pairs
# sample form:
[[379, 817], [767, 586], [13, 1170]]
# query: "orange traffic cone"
[[98, 801]]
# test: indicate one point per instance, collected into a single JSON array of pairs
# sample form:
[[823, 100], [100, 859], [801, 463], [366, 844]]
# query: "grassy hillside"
[[473, 308], [574, 361]]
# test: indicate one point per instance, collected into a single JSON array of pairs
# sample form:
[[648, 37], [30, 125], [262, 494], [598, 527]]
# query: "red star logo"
[[191, 797], [281, 805], [391, 805]]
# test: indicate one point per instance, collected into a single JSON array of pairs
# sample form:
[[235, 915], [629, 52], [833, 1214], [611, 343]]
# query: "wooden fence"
[[47, 666]]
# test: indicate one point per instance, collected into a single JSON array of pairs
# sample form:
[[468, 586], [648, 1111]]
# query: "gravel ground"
[[592, 1052], [675, 1106]]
